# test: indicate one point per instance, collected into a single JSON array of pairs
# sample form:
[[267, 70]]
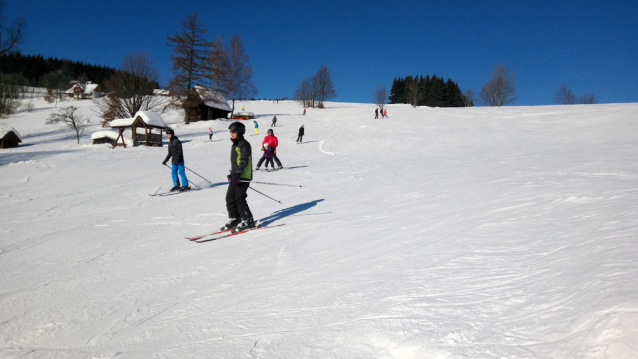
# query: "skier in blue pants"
[[175, 151]]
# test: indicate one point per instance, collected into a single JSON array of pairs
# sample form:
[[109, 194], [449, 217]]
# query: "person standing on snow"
[[385, 113], [304, 112], [376, 113], [274, 122], [268, 155], [300, 136], [175, 151], [272, 142], [256, 128], [241, 173], [210, 134]]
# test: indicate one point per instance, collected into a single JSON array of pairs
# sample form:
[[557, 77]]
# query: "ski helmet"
[[169, 131], [266, 145], [237, 127], [270, 131]]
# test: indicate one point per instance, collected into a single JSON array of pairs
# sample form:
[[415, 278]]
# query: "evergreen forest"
[[34, 68], [429, 91]]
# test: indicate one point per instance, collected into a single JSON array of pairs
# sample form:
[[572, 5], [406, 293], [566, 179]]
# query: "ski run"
[[435, 233]]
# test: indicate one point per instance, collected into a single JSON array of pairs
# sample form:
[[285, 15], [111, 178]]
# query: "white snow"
[[100, 134], [436, 233]]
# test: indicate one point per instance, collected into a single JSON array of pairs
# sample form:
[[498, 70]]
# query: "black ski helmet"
[[271, 131], [237, 127], [169, 131]]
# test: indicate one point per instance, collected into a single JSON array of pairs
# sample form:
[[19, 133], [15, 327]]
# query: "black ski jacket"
[[241, 159], [301, 131], [175, 151]]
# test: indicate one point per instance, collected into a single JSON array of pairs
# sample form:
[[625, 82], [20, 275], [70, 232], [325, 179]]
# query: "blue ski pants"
[[182, 173]]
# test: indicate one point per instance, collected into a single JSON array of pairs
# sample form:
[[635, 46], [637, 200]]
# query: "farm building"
[[9, 137], [206, 104], [145, 128], [84, 91]]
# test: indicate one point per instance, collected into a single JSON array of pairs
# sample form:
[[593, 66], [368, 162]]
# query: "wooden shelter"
[[206, 104], [101, 137], [9, 137], [146, 129]]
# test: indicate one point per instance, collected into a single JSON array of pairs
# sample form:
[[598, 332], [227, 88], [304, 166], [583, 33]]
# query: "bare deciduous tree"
[[55, 82], [565, 96], [469, 96], [218, 65], [11, 86], [191, 51], [380, 96], [131, 90], [324, 86], [239, 82], [71, 119], [304, 93], [588, 99], [413, 90], [500, 89], [12, 35]]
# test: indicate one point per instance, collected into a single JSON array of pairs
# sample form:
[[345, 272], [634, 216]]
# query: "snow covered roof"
[[88, 88], [100, 134], [6, 130], [159, 92], [150, 118], [213, 98]]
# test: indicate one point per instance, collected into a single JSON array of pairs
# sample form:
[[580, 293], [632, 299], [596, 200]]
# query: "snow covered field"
[[436, 233]]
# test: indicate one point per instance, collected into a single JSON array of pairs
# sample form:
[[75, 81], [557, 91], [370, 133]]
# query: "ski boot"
[[232, 223], [244, 225], [176, 188], [184, 188]]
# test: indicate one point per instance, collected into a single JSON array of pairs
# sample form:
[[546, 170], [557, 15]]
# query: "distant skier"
[[241, 174], [274, 122], [385, 113], [376, 113], [256, 128], [300, 135], [210, 134], [272, 142], [268, 155], [175, 151], [304, 112]]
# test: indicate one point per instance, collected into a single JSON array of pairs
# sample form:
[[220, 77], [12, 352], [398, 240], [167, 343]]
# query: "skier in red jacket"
[[272, 142]]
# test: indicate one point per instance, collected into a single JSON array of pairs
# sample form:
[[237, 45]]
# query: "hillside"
[[436, 233]]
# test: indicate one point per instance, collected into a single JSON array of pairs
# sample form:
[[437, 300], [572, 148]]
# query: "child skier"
[[268, 155], [210, 134], [256, 128]]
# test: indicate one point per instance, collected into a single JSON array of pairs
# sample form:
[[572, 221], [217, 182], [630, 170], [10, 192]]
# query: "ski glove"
[[234, 177], [164, 163]]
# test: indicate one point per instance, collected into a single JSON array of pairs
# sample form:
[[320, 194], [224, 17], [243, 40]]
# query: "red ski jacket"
[[272, 141]]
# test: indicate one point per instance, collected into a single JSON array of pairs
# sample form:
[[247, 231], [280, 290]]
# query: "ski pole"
[[278, 184], [265, 195], [198, 175]]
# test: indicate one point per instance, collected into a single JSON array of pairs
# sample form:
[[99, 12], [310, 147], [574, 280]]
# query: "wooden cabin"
[[9, 137], [206, 104], [101, 137], [145, 128]]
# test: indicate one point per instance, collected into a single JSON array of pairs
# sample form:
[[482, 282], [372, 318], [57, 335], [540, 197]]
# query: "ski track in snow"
[[436, 233]]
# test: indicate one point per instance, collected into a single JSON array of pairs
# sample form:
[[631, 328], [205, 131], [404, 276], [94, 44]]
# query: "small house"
[[9, 137], [206, 104], [145, 128], [110, 137], [87, 90]]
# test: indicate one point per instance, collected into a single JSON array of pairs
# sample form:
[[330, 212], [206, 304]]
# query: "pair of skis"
[[227, 233]]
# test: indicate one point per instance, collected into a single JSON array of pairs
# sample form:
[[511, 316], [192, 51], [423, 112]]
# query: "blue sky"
[[591, 46]]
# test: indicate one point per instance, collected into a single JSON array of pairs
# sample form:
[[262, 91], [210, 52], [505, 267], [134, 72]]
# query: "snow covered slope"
[[436, 233]]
